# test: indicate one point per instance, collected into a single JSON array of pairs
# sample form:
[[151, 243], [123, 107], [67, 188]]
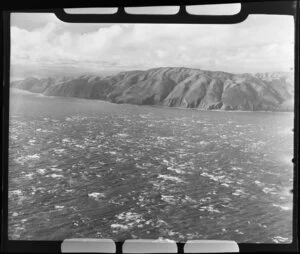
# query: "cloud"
[[259, 44]]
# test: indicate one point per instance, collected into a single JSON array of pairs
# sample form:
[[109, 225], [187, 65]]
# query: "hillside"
[[176, 87]]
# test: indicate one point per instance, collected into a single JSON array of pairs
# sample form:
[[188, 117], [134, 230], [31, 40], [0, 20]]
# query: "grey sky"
[[41, 41]]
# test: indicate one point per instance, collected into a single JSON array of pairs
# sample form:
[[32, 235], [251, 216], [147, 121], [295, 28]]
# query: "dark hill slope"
[[176, 87]]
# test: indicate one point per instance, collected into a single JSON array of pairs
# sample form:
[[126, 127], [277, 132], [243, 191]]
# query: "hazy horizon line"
[[105, 73]]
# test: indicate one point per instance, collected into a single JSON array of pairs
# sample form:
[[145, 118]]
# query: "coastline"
[[155, 105]]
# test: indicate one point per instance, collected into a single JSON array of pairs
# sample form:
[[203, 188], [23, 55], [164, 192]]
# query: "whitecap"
[[29, 175], [280, 239], [171, 178], [205, 199], [79, 146], [177, 170], [189, 199], [123, 135], [139, 166], [204, 143], [212, 177], [55, 176], [15, 192], [130, 216], [238, 192], [239, 232], [56, 169], [34, 156], [225, 184], [285, 208], [236, 168], [41, 171], [209, 208], [119, 226], [168, 199], [268, 190], [96, 195], [165, 161], [59, 150]]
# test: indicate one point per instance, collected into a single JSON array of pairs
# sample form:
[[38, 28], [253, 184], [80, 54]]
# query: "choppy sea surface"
[[88, 168]]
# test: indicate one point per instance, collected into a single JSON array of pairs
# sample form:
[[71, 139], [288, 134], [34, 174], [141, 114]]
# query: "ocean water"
[[88, 168]]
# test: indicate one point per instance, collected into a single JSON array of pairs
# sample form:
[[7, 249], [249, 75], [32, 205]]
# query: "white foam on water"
[[280, 239], [209, 208], [23, 159], [79, 146], [238, 192], [166, 162], [165, 138], [57, 150], [56, 169], [119, 159], [177, 170], [144, 116], [284, 208], [46, 131], [203, 143], [29, 175], [130, 216], [33, 157], [41, 171], [169, 199], [55, 176], [212, 177], [59, 207], [16, 192], [14, 137], [268, 190], [189, 199], [225, 184], [96, 195], [239, 232], [236, 168], [139, 166], [203, 200], [123, 135], [119, 226], [171, 178]]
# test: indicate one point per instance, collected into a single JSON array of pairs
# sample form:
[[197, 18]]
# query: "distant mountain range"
[[176, 87]]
